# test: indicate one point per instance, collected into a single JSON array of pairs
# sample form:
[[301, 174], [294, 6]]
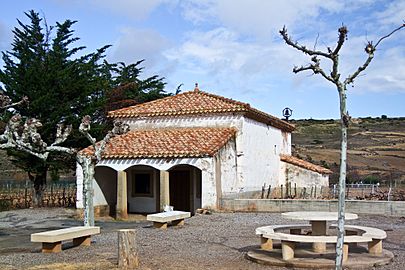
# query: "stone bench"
[[289, 241], [160, 220], [52, 240], [377, 235]]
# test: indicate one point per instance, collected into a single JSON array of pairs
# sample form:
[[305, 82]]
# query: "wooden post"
[[268, 192], [263, 189], [127, 249]]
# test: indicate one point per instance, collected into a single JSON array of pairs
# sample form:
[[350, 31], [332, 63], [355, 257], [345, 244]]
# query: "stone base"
[[52, 247], [305, 257]]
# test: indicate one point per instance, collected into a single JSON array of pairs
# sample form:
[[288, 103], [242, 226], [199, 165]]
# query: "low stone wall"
[[389, 208]]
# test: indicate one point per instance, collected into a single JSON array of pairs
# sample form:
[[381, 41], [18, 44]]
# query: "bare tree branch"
[[315, 67], [5, 102], [370, 49], [30, 141], [387, 36], [301, 48]]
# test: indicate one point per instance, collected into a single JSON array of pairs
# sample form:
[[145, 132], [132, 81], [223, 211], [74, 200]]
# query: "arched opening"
[[185, 187], [143, 189], [106, 179]]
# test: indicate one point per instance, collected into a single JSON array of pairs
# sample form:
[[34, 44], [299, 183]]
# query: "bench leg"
[[82, 241], [266, 243], [287, 249], [160, 225], [179, 222], [51, 247], [375, 247]]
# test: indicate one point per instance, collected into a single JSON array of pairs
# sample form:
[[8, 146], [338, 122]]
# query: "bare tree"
[[88, 161], [25, 138], [334, 76]]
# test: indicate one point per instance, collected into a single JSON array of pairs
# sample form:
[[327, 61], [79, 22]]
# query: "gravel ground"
[[217, 241]]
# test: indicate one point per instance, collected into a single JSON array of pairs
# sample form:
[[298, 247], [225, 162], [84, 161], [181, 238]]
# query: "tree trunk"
[[344, 118], [88, 176], [39, 181], [127, 249]]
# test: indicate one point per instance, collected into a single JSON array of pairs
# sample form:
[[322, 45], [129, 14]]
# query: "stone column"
[[164, 189], [319, 228], [122, 212]]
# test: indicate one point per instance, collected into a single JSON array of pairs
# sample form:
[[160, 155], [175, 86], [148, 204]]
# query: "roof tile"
[[304, 164], [164, 143]]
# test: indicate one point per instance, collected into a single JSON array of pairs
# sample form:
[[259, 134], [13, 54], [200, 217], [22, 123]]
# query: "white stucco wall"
[[229, 176], [258, 151], [303, 177], [226, 120]]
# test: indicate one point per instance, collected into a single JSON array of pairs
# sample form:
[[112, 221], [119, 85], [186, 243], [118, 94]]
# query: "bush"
[[5, 205]]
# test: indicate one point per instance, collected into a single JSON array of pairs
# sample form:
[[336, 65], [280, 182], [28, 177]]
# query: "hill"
[[376, 147]]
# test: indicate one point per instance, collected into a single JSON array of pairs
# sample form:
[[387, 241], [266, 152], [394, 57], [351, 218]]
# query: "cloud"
[[257, 17], [136, 44]]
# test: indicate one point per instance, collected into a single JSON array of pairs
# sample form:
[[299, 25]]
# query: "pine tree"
[[60, 86]]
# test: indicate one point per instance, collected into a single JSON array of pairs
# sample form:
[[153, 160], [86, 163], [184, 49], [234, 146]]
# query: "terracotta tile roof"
[[166, 143], [304, 164], [197, 103]]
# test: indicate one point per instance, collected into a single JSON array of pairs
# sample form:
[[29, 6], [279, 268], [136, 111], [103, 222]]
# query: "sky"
[[233, 47]]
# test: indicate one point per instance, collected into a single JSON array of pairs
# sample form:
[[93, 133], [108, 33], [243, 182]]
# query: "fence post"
[[268, 192]]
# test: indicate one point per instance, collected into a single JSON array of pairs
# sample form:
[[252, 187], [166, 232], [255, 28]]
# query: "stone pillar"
[[375, 247], [164, 189], [319, 229], [266, 243], [122, 212]]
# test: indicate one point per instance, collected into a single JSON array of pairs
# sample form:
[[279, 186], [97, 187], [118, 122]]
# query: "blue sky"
[[232, 47]]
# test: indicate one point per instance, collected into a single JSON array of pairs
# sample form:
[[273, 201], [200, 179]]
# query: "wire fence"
[[17, 195], [356, 191]]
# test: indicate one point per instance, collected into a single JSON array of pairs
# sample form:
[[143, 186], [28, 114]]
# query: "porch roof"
[[166, 143], [304, 164]]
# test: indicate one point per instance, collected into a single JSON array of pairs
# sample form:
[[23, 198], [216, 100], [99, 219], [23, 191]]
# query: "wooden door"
[[180, 187]]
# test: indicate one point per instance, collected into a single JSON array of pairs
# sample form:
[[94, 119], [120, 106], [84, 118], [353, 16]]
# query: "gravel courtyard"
[[217, 241]]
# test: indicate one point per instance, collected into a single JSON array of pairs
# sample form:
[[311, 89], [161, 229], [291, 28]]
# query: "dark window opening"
[[142, 184]]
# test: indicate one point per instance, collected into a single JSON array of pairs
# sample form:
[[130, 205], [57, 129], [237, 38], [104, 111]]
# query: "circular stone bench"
[[357, 234]]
